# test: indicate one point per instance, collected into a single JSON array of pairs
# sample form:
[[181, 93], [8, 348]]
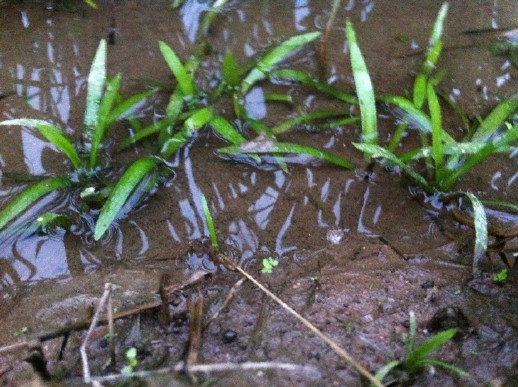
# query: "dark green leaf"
[[53, 134], [120, 193], [230, 70], [428, 346], [26, 198]]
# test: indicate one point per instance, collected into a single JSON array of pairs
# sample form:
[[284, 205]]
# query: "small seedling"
[[268, 265], [417, 357], [20, 332], [131, 355], [501, 277]]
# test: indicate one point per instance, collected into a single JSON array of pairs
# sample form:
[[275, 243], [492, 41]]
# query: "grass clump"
[[417, 357], [440, 160], [88, 175]]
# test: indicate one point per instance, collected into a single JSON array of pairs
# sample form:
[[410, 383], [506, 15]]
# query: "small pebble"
[[229, 336]]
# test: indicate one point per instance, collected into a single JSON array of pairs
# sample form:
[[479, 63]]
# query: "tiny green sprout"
[[268, 265], [500, 277], [21, 331], [131, 355]]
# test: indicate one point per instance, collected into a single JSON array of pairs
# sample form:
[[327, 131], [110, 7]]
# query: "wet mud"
[[357, 250]]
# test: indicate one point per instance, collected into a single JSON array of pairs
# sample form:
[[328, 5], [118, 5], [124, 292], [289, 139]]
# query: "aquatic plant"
[[190, 108], [104, 106], [445, 159], [416, 357]]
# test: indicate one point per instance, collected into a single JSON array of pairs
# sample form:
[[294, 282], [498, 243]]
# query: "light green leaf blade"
[[120, 193], [481, 235], [379, 152], [53, 134], [112, 90], [96, 79], [307, 117], [149, 130], [449, 367], [185, 80], [428, 346], [226, 130], [192, 125], [303, 77], [384, 371], [210, 223], [496, 119], [126, 105], [230, 70], [273, 57], [364, 88], [27, 197], [437, 131], [272, 147]]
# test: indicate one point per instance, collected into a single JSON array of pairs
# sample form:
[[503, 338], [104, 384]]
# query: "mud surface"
[[357, 251]]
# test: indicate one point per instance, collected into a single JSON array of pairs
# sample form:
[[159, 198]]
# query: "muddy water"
[[365, 288]]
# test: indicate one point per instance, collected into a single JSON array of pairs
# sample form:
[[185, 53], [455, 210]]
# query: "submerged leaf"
[[364, 88], [53, 134], [96, 79], [271, 147], [230, 70], [210, 223], [274, 56], [120, 193], [29, 196]]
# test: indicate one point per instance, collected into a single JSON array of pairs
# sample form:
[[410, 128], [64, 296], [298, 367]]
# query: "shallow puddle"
[[355, 248]]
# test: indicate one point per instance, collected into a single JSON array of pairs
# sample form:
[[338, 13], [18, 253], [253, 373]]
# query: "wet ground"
[[397, 252]]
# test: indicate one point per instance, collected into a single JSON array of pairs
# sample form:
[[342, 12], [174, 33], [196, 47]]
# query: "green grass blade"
[[53, 134], [230, 70], [96, 79], [432, 56], [304, 78], [481, 237], [428, 346], [126, 105], [414, 116], [364, 88], [192, 125], [185, 80], [145, 132], [379, 152], [273, 57], [384, 371], [120, 193], [508, 137], [496, 119], [307, 117], [112, 90], [27, 197], [449, 367], [210, 223], [226, 130], [437, 131], [272, 147]]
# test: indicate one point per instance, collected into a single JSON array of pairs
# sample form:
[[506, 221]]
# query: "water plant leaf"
[[414, 116], [120, 193], [306, 117], [414, 359], [271, 147], [230, 70], [96, 79], [184, 79], [437, 132], [194, 123], [432, 56], [379, 152], [111, 92], [481, 234], [274, 56], [305, 78], [30, 195], [364, 88], [494, 120], [210, 223], [53, 134], [149, 130], [226, 130], [449, 367], [126, 105]]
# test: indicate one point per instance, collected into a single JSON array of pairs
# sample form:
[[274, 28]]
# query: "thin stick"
[[111, 332], [227, 300], [84, 357], [218, 367], [339, 351]]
